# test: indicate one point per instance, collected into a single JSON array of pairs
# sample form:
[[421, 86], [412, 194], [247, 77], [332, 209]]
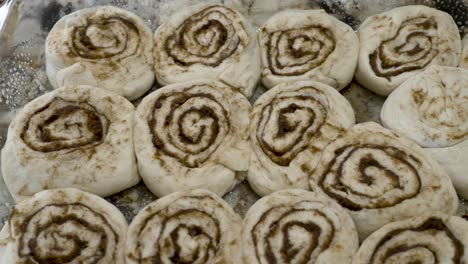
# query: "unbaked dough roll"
[[75, 136], [208, 41], [403, 41], [432, 238], [64, 226], [104, 46], [307, 44], [185, 227], [379, 177], [464, 57], [431, 108], [290, 126], [192, 135], [297, 226]]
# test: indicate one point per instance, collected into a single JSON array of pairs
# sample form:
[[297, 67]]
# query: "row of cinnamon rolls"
[[204, 134], [197, 226], [114, 49]]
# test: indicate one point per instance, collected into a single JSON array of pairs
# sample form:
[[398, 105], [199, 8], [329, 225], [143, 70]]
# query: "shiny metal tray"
[[24, 25]]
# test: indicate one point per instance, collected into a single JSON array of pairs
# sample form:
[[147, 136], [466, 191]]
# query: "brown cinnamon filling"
[[206, 135], [302, 53], [368, 161], [288, 252], [91, 129], [168, 242], [431, 224], [418, 49], [300, 131], [83, 46], [189, 43], [33, 251]]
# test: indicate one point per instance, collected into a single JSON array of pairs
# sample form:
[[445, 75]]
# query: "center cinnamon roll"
[[191, 135], [207, 41], [290, 125], [379, 176], [172, 125], [185, 227]]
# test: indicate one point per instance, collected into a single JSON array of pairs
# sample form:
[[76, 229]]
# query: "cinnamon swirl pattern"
[[307, 44], [379, 177], [104, 46], [464, 57], [296, 226], [432, 238], [208, 41], [75, 136], [192, 135], [431, 108], [291, 124], [185, 227], [403, 41], [64, 226]]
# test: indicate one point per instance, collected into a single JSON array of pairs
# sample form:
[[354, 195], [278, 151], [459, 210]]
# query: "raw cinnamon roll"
[[75, 136], [464, 57], [403, 41], [64, 226], [307, 44], [104, 46], [431, 108], [290, 126], [192, 135], [432, 238], [379, 177], [208, 41], [185, 227], [296, 226]]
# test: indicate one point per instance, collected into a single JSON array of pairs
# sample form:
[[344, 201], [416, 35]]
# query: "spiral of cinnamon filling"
[[66, 233], [275, 234], [297, 51], [432, 241], [298, 227], [288, 122], [104, 37], [179, 227], [189, 124], [413, 47], [62, 124], [369, 176], [186, 227], [208, 37]]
